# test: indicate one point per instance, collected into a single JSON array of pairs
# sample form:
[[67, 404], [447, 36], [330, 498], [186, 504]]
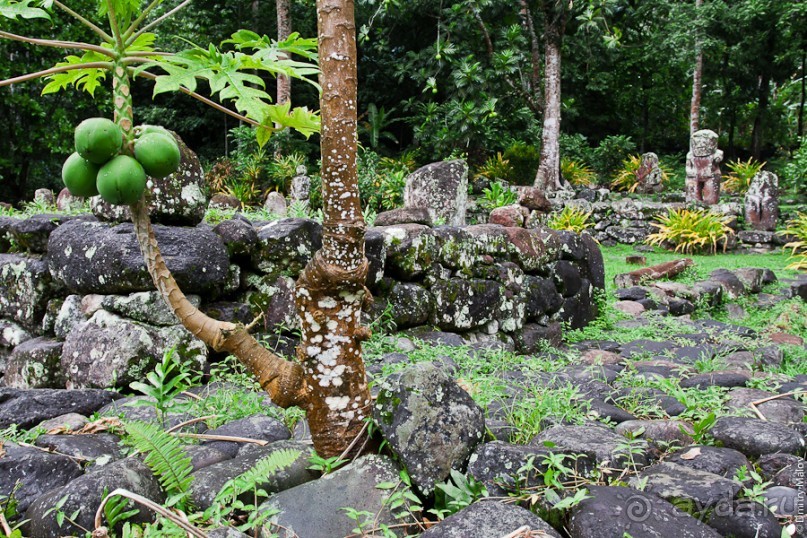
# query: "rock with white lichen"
[[441, 188], [430, 422], [177, 199], [25, 288], [94, 257]]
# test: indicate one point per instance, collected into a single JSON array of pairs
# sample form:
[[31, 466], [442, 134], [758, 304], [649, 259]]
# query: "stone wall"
[[77, 307]]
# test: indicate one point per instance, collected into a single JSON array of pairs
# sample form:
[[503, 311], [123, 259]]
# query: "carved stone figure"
[[703, 168], [762, 202], [300, 186], [649, 174]]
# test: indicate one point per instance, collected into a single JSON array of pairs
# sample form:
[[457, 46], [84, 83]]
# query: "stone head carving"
[[703, 143]]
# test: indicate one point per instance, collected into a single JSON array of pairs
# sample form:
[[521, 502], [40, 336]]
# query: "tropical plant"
[[497, 195], [165, 383], [797, 229], [377, 120], [691, 230], [165, 457], [231, 71], [577, 173], [794, 174], [611, 152], [571, 218], [456, 493], [496, 168], [523, 158], [392, 189], [742, 172], [626, 178], [283, 168]]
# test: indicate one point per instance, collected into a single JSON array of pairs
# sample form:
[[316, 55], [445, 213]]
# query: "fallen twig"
[[211, 437], [753, 405]]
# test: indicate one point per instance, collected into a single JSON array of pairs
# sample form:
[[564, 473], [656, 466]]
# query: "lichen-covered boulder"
[[430, 423], [238, 235], [486, 519], [404, 215], [109, 351], [145, 306], [285, 246], [510, 215], [28, 408], [34, 364], [32, 234], [411, 304], [442, 188], [531, 248], [25, 288], [274, 298], [411, 250], [177, 199], [462, 305], [93, 257]]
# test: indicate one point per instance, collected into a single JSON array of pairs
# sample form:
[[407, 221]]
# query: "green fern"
[[165, 458], [258, 474]]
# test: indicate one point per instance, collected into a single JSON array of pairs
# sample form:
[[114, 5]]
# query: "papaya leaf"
[[12, 9], [124, 9], [82, 78], [302, 120], [143, 43]]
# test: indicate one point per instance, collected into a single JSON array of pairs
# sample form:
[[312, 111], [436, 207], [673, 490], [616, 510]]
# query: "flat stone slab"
[[677, 483], [488, 519], [616, 512], [598, 445], [754, 437], [29, 407]]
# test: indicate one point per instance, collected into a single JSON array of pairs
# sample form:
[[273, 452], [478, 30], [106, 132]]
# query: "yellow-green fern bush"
[[577, 173], [691, 231], [571, 218], [797, 228], [626, 178], [496, 168], [742, 172]]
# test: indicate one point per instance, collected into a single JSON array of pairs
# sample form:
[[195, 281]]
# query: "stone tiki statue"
[[300, 187], [649, 175], [703, 168], [762, 202]]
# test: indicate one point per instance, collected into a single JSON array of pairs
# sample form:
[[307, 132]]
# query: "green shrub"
[[523, 159], [571, 218], [577, 173], [691, 231], [798, 247], [611, 152], [496, 168], [742, 172], [282, 169], [576, 148], [794, 173], [497, 195]]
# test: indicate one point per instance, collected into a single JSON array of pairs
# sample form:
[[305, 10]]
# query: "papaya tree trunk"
[[331, 290], [283, 380], [697, 79]]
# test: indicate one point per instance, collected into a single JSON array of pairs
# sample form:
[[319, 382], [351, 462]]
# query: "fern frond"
[[258, 474], [163, 455]]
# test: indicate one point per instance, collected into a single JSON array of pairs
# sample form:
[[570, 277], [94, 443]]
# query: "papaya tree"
[[328, 379]]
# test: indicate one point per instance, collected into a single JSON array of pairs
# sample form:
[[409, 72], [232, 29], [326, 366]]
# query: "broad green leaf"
[[125, 10], [300, 119], [82, 78], [12, 9], [143, 43]]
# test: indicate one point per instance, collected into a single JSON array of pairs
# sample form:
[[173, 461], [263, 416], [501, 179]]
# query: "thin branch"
[[54, 70], [58, 44], [156, 21], [228, 438], [103, 35], [203, 99], [132, 27], [101, 531]]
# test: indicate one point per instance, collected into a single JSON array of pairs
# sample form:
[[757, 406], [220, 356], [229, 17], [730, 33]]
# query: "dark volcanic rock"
[[34, 364], [615, 512], [353, 486], [28, 408], [754, 437], [411, 304], [716, 460], [209, 480], [91, 257], [465, 304], [258, 427], [597, 445], [487, 519], [84, 495], [404, 215], [676, 483], [285, 246], [744, 519], [496, 465], [430, 422], [28, 473], [100, 448], [26, 287]]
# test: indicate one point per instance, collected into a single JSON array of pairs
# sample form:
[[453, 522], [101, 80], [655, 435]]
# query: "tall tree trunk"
[[331, 290], [800, 129], [548, 177], [758, 131], [283, 32], [697, 82], [535, 49]]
